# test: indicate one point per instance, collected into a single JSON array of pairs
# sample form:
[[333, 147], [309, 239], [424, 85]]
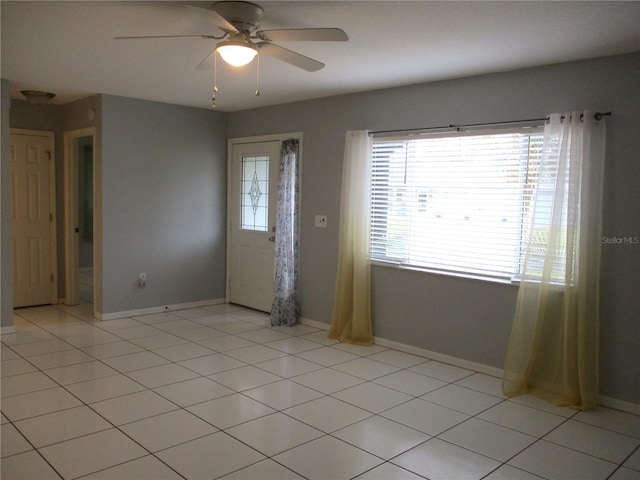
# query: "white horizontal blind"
[[454, 202]]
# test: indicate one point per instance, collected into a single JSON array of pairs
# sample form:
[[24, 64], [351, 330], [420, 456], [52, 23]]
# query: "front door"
[[254, 180], [32, 217]]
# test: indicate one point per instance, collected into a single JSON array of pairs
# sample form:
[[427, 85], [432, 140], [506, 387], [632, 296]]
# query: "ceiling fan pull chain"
[[215, 79], [258, 75]]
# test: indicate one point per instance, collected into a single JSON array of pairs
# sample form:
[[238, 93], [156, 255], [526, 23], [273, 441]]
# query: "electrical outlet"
[[321, 221], [142, 280]]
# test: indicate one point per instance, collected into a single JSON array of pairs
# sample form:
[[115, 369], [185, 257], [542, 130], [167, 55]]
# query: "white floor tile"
[[381, 437], [132, 407], [327, 414], [25, 383], [61, 426], [438, 460], [366, 368], [210, 364], [634, 460], [317, 400], [41, 347], [264, 470], [193, 391], [158, 341], [410, 383], [104, 388], [462, 399], [60, 359], [372, 397], [225, 343], [80, 372], [91, 453], [145, 468], [311, 459], [255, 354], [13, 442], [319, 337], [244, 378], [327, 380], [442, 371], [610, 419], [114, 349], [522, 418], [274, 433], [210, 457], [161, 375], [27, 466], [507, 472], [184, 351], [388, 471], [327, 356], [483, 383], [595, 441], [560, 463], [427, 417], [41, 402], [488, 439], [293, 345], [282, 394], [167, 430], [263, 335], [398, 359], [135, 361], [230, 411], [289, 366], [624, 473]]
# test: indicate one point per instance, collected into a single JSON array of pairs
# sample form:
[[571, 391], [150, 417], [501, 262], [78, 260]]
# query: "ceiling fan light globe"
[[237, 55]]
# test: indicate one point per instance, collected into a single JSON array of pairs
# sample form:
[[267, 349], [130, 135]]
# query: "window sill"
[[433, 271]]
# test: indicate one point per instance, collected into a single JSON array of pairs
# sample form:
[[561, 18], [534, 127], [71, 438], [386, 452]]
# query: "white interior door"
[[32, 215], [253, 196]]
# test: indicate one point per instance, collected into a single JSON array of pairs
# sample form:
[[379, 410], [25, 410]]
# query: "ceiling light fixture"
[[237, 52], [37, 97]]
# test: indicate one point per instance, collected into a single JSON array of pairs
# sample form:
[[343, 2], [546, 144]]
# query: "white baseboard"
[[605, 401], [7, 330], [160, 309]]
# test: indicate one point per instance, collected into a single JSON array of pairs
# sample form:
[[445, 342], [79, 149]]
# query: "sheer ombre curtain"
[[554, 346], [285, 309], [351, 321]]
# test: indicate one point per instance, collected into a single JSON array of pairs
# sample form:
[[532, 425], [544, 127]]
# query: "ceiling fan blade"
[[304, 35], [217, 19], [289, 56], [208, 62], [146, 37]]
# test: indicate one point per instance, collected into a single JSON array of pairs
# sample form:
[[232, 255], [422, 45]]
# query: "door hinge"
[[50, 217], [49, 154], [52, 278]]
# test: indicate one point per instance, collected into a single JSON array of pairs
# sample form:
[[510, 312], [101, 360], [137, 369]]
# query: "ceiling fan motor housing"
[[245, 16]]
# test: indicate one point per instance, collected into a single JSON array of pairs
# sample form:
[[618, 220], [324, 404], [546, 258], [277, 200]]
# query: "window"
[[255, 193], [456, 203]]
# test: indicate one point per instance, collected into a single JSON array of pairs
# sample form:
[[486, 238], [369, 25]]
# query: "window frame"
[[390, 262]]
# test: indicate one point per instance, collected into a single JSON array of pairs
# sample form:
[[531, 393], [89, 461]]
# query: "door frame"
[[52, 202], [71, 246], [254, 139]]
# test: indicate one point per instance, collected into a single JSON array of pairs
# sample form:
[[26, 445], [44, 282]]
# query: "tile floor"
[[216, 392]]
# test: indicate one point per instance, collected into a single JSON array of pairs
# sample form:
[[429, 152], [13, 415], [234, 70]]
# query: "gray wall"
[[455, 316], [6, 255], [163, 203]]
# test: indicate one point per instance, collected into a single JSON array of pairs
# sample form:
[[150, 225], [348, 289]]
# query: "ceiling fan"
[[241, 40]]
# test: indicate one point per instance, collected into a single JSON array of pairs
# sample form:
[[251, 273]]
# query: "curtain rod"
[[597, 116]]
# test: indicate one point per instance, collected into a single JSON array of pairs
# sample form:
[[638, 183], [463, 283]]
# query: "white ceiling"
[[67, 47]]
